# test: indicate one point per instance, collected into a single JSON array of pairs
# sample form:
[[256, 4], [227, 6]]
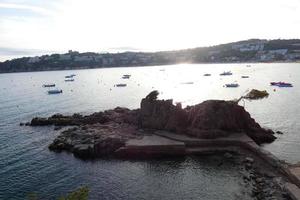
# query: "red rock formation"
[[210, 119]]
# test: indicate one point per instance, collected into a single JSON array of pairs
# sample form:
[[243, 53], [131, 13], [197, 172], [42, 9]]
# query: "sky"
[[33, 27]]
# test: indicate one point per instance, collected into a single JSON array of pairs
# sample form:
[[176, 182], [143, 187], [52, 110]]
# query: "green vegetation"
[[81, 193], [244, 51]]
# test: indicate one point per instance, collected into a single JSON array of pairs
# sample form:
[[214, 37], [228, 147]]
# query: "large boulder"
[[210, 119], [214, 118], [90, 141]]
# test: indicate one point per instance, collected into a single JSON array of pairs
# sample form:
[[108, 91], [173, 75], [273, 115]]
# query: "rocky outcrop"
[[210, 119], [118, 114], [256, 94], [103, 133], [96, 140]]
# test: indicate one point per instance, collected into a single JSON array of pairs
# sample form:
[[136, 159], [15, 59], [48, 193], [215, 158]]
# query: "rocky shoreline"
[[104, 133], [160, 128], [260, 181]]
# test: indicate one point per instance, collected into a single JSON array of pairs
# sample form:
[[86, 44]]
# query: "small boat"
[[55, 91], [162, 70], [206, 74], [188, 83], [226, 73], [121, 85], [281, 84], [248, 65], [126, 76], [232, 85], [49, 85], [245, 76], [70, 76], [69, 80]]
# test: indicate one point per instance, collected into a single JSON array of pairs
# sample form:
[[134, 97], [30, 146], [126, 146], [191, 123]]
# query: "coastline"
[[153, 65]]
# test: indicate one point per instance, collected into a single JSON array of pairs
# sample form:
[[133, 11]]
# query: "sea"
[[27, 166]]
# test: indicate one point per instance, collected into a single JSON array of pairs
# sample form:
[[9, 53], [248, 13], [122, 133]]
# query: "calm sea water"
[[26, 164]]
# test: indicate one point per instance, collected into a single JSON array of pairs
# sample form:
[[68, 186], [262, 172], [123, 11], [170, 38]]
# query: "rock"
[[152, 96], [279, 132], [27, 124], [56, 128], [120, 115], [228, 155], [83, 150], [103, 133], [249, 160], [256, 94], [248, 166], [22, 124], [39, 121], [91, 141], [210, 119]]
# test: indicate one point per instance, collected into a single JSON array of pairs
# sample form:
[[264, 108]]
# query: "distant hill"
[[253, 50]]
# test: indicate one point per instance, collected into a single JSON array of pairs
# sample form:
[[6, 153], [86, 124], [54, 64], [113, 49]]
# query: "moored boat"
[[228, 73], [70, 76], [69, 80], [126, 76], [121, 85], [281, 84], [245, 76], [55, 91], [188, 83], [232, 85], [206, 74], [49, 85]]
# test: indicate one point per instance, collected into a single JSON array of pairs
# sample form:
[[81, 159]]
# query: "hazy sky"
[[104, 25]]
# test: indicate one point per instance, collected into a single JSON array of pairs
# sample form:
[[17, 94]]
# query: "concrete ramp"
[[151, 146], [293, 191]]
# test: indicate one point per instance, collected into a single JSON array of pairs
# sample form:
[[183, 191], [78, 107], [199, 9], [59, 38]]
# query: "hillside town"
[[253, 50]]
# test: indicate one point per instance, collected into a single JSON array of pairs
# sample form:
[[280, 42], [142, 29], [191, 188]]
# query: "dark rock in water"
[[249, 160], [256, 94], [94, 140], [279, 132], [228, 155], [103, 133], [210, 119], [22, 124], [56, 128], [27, 124], [118, 114]]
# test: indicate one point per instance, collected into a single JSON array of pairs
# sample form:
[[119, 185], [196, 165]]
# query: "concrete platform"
[[163, 143], [293, 191], [152, 146], [231, 140]]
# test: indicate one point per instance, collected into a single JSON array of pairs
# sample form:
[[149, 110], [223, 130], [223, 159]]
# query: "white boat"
[[188, 83], [70, 76], [121, 85], [245, 76], [232, 85], [55, 91], [228, 73], [69, 80], [126, 76], [49, 85]]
